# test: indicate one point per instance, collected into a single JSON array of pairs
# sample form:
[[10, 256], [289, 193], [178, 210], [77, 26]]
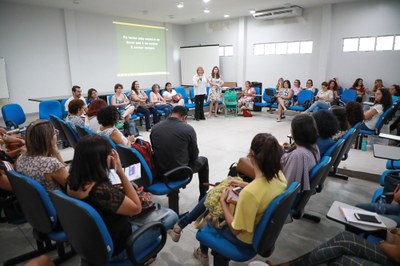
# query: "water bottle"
[[364, 145], [381, 206]]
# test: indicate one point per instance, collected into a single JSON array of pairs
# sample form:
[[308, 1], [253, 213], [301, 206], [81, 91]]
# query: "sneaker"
[[202, 258], [175, 233]]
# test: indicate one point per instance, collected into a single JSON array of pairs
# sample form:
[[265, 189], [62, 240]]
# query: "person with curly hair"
[[354, 113]]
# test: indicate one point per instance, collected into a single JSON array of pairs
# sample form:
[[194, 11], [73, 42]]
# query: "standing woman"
[[138, 100], [92, 96], [120, 101], [199, 86], [214, 96], [284, 97]]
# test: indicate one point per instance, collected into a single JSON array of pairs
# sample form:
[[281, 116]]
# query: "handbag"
[[146, 105], [247, 113]]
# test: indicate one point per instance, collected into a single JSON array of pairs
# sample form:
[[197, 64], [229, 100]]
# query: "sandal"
[[202, 258], [175, 233]]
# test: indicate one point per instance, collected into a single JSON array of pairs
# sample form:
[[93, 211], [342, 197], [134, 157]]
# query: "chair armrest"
[[135, 235], [178, 173]]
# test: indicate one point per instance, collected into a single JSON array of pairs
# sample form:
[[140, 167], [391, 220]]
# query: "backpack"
[[144, 147]]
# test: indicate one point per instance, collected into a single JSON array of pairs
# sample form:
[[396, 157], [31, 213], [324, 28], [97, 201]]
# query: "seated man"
[[76, 94], [175, 144]]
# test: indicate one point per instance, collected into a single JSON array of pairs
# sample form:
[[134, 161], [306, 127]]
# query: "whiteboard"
[[192, 57], [3, 80]]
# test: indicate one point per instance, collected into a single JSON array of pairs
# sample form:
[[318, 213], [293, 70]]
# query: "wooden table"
[[334, 214], [386, 152]]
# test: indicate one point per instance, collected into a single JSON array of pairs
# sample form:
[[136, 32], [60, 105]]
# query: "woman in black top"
[[89, 182]]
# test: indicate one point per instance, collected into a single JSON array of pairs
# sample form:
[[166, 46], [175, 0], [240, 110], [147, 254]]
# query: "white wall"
[[358, 19], [326, 26], [48, 50]]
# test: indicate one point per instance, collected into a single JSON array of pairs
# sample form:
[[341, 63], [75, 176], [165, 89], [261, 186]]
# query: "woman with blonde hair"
[[199, 85]]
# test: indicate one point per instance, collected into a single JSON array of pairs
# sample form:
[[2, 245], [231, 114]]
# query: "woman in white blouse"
[[199, 86], [171, 96]]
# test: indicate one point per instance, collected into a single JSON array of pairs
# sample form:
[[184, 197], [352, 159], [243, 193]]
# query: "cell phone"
[[366, 218]]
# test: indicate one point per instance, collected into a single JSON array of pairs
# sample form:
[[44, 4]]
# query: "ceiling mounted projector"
[[277, 13]]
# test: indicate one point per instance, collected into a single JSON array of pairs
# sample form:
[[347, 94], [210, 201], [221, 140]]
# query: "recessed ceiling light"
[[207, 11], [179, 5], [206, 1], [226, 16], [252, 11]]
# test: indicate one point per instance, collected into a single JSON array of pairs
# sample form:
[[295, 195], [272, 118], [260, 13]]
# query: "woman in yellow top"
[[265, 155]]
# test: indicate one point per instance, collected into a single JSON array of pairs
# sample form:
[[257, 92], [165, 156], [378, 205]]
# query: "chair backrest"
[[318, 172], [267, 98], [69, 132], [47, 108], [131, 156], [303, 96], [349, 95], [109, 97], [271, 223], [84, 228], [34, 201], [182, 91], [63, 110], [148, 95], [385, 117], [349, 139], [57, 125], [83, 131], [333, 152], [13, 115]]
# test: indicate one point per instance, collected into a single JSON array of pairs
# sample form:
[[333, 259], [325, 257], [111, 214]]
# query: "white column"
[[325, 40], [72, 46], [241, 51]]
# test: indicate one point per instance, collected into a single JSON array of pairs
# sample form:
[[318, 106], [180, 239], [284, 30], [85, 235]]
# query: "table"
[[334, 214], [389, 136], [386, 152], [102, 95]]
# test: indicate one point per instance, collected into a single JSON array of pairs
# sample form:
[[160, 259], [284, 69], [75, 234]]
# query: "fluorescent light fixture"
[[206, 1], [179, 5], [226, 16], [206, 10], [252, 12]]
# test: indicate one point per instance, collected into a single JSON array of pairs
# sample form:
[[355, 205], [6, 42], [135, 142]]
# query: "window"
[[397, 43], [221, 51], [350, 45], [226, 50], [306, 47], [367, 44], [384, 43], [270, 48], [259, 49], [293, 48], [281, 48]]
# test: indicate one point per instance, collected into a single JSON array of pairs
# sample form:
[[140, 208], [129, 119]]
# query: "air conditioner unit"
[[277, 13]]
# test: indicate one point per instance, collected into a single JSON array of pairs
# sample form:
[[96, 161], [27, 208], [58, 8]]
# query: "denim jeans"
[[318, 105], [392, 210], [164, 107]]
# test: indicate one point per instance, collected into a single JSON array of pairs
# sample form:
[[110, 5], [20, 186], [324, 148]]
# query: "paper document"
[[351, 218], [132, 172]]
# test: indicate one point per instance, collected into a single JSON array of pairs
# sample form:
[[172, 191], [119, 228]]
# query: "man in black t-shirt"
[[175, 144]]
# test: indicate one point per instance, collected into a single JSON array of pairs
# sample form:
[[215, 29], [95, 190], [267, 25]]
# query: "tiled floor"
[[223, 141]]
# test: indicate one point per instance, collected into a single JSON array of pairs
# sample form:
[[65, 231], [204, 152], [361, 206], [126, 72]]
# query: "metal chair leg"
[[173, 201]]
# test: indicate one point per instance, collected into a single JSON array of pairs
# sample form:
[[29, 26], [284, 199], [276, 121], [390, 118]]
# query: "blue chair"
[[349, 139], [265, 235], [109, 97], [160, 112], [318, 172], [348, 95], [83, 131], [57, 125], [172, 181], [188, 105], [267, 100], [47, 108], [379, 191], [89, 236], [69, 132], [63, 110], [340, 91], [13, 115], [41, 215], [303, 97], [316, 90]]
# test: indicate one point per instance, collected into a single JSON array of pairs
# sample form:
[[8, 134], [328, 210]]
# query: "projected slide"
[[141, 49]]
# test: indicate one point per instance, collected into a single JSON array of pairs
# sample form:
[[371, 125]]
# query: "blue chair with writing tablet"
[[265, 235], [13, 115]]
